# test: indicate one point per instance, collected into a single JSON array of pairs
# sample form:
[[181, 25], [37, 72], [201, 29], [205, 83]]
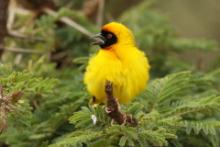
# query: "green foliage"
[[44, 108], [168, 106], [180, 109]]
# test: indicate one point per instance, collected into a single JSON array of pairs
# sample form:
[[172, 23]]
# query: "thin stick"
[[99, 19], [1, 92], [18, 35], [20, 50], [6, 106], [69, 22]]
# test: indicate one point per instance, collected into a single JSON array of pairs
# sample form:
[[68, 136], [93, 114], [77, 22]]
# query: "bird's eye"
[[109, 36]]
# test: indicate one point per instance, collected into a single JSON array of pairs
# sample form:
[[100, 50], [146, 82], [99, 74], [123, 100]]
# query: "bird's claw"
[[108, 110]]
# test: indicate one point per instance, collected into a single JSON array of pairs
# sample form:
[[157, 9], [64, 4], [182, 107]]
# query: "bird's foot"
[[108, 110]]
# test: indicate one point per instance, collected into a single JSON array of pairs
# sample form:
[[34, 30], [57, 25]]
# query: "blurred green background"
[[190, 18]]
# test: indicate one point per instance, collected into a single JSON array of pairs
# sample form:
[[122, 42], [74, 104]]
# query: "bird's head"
[[113, 34]]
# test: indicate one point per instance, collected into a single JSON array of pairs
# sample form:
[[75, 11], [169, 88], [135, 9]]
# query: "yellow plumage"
[[121, 63]]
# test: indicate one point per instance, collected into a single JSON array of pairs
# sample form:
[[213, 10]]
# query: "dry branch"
[[6, 106], [113, 108], [99, 19], [17, 35], [3, 18], [3, 22], [20, 50], [69, 22]]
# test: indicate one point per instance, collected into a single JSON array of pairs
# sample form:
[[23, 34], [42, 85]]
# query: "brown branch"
[[3, 22], [3, 18], [100, 13], [36, 5], [17, 35], [1, 92], [6, 105], [113, 108], [69, 22], [20, 50], [90, 8]]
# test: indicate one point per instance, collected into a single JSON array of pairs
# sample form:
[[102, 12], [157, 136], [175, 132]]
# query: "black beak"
[[98, 39]]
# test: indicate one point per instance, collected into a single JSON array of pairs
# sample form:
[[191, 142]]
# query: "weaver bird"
[[118, 61]]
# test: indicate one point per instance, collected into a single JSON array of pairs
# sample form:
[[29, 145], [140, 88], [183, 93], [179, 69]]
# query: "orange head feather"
[[123, 34]]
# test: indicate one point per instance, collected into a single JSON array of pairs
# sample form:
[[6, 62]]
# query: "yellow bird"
[[118, 61]]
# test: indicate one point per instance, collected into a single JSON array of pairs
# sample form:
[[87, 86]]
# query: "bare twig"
[[1, 92], [18, 35], [69, 22], [6, 105], [20, 50], [113, 108], [3, 18], [3, 22], [90, 8], [99, 19]]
